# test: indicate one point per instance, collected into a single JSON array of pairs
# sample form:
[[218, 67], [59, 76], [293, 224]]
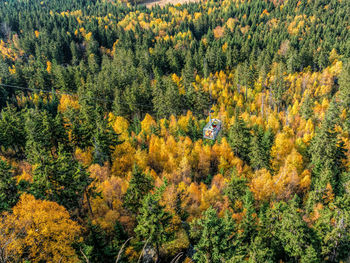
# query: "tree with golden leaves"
[[38, 231]]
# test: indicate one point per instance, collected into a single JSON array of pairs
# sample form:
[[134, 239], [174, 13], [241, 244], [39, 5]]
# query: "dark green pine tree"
[[278, 87], [236, 189], [139, 186], [57, 176], [153, 221], [344, 90], [344, 85], [260, 146], [239, 138], [332, 228], [214, 236], [196, 101], [61, 179], [104, 140], [12, 134], [256, 155], [259, 252], [292, 233], [8, 187], [326, 152], [39, 135], [100, 246], [172, 98], [188, 70], [307, 107], [247, 229]]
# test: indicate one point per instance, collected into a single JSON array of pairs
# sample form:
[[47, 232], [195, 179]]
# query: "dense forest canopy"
[[102, 156]]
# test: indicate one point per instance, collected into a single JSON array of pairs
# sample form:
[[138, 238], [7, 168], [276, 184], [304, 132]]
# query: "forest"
[[102, 110]]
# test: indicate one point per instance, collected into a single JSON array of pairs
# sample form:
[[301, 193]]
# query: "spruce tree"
[[215, 234], [153, 221], [239, 138], [8, 187], [139, 186]]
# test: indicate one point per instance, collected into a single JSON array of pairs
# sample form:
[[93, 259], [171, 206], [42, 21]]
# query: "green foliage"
[[12, 135], [139, 186], [153, 221], [239, 138], [274, 64], [236, 188], [8, 187], [61, 179], [260, 146], [214, 236], [102, 247]]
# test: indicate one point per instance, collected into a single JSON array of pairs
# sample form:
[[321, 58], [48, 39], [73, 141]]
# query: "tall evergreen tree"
[[139, 186], [8, 187], [215, 237], [239, 138], [153, 221]]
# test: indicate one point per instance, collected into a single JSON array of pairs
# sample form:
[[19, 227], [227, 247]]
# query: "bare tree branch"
[[87, 260], [121, 249], [143, 250]]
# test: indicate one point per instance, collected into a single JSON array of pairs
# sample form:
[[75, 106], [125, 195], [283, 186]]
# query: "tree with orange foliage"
[[39, 231]]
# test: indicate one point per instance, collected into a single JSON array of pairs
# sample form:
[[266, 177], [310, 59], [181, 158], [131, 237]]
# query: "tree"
[[105, 139], [61, 179], [236, 188], [278, 85], [139, 186], [153, 221], [332, 228], [43, 229], [8, 187], [100, 246], [215, 235], [290, 236], [239, 138], [344, 90], [12, 134], [259, 149], [42, 134], [326, 154]]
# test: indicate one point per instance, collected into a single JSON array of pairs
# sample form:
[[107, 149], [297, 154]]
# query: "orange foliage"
[[218, 32], [42, 229]]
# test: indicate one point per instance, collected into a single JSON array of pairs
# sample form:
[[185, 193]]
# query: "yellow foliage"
[[48, 67], [147, 123], [88, 36], [85, 157], [224, 47], [284, 143], [262, 185], [123, 158], [42, 230], [36, 32], [68, 101], [12, 70], [120, 125]]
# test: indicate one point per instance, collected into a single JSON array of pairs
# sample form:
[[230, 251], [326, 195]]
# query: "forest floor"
[[150, 3]]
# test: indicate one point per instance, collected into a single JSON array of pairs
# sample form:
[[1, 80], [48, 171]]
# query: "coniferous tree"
[[326, 153], [239, 138], [215, 234], [12, 134], [153, 221], [8, 187], [139, 186]]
